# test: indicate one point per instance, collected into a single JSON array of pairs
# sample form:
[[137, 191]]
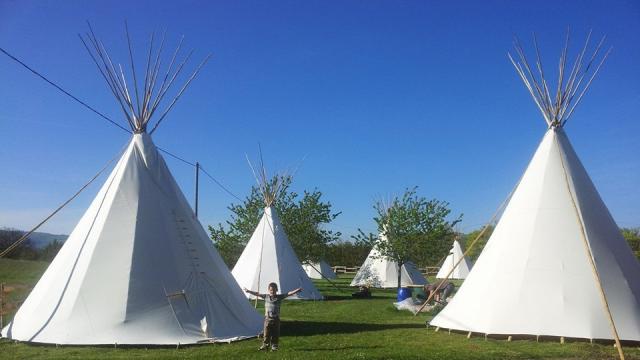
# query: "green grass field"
[[340, 328]]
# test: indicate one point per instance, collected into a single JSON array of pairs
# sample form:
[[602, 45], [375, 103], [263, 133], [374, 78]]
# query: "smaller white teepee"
[[461, 271], [319, 270], [378, 272], [269, 257]]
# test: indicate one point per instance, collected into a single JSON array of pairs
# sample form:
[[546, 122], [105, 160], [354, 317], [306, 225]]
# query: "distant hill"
[[41, 239]]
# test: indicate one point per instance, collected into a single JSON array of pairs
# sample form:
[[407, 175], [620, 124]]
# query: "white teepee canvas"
[[319, 270], [556, 263], [461, 271], [269, 257], [379, 272], [137, 269]]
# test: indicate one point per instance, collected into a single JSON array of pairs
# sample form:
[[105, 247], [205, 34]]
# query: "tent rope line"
[[25, 236], [585, 242], [63, 90], [177, 157], [255, 305], [92, 109], [220, 184], [484, 229], [326, 278]]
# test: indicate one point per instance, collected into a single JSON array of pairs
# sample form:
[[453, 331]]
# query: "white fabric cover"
[[137, 269], [455, 254], [269, 257], [319, 270], [378, 272], [414, 305], [534, 276]]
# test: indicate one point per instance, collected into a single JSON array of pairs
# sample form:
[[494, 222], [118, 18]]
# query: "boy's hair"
[[274, 286]]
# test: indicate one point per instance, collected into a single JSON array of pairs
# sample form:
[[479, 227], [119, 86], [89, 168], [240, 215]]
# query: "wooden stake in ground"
[[1, 305]]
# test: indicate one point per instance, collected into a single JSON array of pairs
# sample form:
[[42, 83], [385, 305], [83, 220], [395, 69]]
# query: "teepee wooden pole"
[[133, 69], [493, 218], [1, 305], [585, 242], [197, 187], [432, 294], [25, 236], [255, 305]]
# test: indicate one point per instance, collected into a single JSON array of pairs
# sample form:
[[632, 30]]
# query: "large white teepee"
[[137, 269], [379, 272], [269, 257], [556, 263], [461, 271], [319, 270]]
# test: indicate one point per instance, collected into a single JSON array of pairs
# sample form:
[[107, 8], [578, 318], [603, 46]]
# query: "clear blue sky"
[[376, 96]]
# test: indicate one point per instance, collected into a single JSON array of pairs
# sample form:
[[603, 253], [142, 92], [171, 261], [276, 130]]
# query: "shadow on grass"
[[310, 328], [338, 297], [5, 341], [338, 348], [349, 297]]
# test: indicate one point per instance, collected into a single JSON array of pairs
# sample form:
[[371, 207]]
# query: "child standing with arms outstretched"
[[272, 302]]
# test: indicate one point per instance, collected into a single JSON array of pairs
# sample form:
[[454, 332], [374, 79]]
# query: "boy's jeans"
[[271, 331]]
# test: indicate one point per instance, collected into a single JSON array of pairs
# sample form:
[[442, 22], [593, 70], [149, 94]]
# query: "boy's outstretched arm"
[[295, 291], [254, 293]]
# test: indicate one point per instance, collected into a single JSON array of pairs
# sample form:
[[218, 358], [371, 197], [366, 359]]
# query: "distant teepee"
[[461, 271], [556, 263], [379, 272], [319, 270], [138, 268], [268, 256]]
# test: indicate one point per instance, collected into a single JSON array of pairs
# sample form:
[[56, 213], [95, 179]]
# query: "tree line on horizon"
[[28, 250], [420, 231], [417, 228]]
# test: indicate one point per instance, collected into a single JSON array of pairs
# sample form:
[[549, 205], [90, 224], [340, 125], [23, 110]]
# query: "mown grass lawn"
[[339, 328]]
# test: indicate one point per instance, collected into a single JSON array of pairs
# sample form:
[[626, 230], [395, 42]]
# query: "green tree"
[[26, 250], [50, 251], [632, 235], [479, 245], [303, 218], [414, 227], [347, 253]]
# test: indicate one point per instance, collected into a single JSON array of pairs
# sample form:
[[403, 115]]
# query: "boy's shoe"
[[274, 347], [264, 347]]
